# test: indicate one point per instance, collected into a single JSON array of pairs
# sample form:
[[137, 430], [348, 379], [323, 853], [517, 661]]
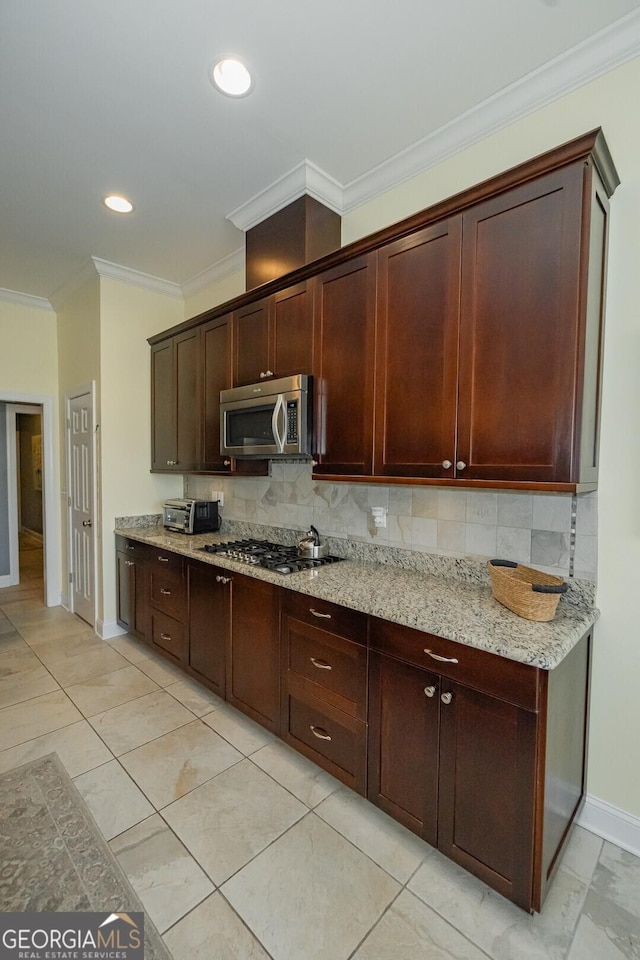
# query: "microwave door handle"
[[279, 437]]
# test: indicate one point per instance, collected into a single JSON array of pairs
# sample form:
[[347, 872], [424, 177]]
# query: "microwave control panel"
[[292, 421]]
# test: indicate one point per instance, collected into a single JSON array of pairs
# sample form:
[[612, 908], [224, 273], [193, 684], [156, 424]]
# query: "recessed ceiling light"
[[231, 76], [118, 204]]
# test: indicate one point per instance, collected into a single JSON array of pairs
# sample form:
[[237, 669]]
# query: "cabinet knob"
[[319, 732], [262, 374], [446, 464], [269, 373], [446, 697], [227, 463], [429, 691], [171, 463], [220, 579], [460, 465], [130, 563]]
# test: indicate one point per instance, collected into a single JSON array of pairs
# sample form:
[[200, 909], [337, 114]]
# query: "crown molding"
[[114, 271], [306, 177], [604, 51], [24, 299], [233, 263]]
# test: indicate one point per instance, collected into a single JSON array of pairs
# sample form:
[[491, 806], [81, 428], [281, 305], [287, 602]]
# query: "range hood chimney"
[[302, 231]]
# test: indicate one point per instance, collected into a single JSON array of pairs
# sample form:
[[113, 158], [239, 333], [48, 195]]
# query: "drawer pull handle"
[[165, 593], [165, 636], [316, 613], [163, 559], [320, 664], [436, 656], [130, 563], [319, 732], [429, 691]]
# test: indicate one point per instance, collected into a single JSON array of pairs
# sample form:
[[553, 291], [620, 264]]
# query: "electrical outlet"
[[220, 498], [379, 515]]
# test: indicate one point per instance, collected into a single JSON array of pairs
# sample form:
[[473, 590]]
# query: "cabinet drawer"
[[510, 680], [168, 634], [328, 616], [168, 593], [164, 561], [133, 548], [331, 738], [338, 667]]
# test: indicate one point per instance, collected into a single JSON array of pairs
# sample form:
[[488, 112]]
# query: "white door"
[[81, 506]]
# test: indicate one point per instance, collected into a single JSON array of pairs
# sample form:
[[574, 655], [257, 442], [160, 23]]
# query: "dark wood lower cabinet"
[[481, 756], [253, 652], [209, 619]]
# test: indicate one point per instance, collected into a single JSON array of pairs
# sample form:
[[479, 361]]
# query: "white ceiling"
[[101, 96]]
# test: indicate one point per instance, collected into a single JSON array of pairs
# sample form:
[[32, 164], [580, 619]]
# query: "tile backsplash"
[[544, 529]]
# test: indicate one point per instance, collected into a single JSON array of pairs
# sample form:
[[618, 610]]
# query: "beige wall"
[[610, 102], [128, 315], [231, 286]]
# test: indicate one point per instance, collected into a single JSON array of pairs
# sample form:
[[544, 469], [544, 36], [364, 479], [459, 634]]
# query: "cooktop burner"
[[272, 556]]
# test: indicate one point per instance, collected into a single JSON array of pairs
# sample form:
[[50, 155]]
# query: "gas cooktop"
[[272, 556]]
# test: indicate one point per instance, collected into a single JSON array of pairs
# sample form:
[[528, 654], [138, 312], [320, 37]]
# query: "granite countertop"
[[446, 607]]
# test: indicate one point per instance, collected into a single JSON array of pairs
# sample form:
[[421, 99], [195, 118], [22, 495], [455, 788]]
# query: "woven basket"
[[530, 593]]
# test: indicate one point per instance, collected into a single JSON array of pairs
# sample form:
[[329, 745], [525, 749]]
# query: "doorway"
[[40, 552]]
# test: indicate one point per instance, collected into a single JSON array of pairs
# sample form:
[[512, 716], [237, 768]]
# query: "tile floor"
[[240, 849]]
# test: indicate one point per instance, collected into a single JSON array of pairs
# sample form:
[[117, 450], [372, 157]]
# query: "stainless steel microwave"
[[268, 420]]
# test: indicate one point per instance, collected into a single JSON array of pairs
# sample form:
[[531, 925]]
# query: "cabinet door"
[[487, 789], [292, 340], [253, 660], [215, 345], [123, 584], [417, 353], [403, 743], [251, 361], [187, 365], [209, 610], [163, 406], [344, 304], [518, 336]]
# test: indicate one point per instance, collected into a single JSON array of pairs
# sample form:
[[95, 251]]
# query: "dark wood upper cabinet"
[[251, 352], [417, 352], [344, 302], [523, 324], [460, 346], [215, 349], [175, 402], [274, 337]]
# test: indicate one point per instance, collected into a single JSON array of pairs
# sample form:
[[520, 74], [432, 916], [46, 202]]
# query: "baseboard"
[[611, 823], [8, 581], [107, 629]]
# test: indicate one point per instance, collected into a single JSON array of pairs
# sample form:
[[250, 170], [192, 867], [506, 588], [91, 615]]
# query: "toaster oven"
[[191, 516]]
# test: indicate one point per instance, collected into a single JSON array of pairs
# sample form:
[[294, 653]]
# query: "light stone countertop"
[[464, 612]]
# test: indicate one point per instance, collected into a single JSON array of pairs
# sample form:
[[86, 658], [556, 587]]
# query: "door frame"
[[80, 391], [51, 525]]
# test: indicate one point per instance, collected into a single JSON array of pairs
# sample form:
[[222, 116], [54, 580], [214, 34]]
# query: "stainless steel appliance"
[[272, 556], [269, 420], [191, 516]]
